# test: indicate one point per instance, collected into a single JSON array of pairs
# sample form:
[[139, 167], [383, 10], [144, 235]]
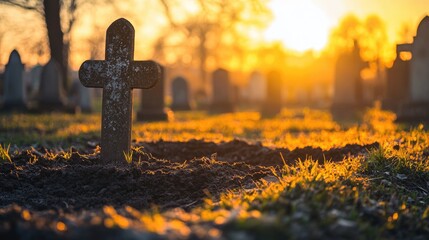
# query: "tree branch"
[[168, 12], [26, 4]]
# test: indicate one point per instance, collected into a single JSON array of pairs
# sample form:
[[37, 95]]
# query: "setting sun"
[[299, 25]]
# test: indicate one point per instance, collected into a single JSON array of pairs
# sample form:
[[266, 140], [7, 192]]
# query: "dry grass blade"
[[4, 153]]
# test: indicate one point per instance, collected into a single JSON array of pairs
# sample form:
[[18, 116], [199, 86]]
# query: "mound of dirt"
[[74, 187], [166, 174], [83, 183], [240, 151]]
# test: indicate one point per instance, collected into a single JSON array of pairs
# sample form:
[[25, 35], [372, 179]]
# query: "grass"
[[4, 153], [380, 195], [291, 129], [128, 156], [306, 201]]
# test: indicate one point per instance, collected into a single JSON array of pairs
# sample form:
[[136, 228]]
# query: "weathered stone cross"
[[118, 75]]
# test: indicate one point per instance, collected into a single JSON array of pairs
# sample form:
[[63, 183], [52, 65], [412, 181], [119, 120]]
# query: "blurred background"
[[302, 40]]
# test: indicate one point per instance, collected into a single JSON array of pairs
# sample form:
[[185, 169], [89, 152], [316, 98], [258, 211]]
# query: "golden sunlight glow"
[[298, 24]]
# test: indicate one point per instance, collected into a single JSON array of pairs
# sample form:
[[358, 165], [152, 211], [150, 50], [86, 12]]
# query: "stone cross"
[[118, 75]]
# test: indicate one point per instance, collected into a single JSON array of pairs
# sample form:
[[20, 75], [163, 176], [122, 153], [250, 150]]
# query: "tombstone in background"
[[152, 104], [34, 84], [256, 88], [398, 84], [14, 86], [222, 100], [273, 102], [51, 95], [80, 97], [420, 64], [417, 107], [348, 83], [180, 92]]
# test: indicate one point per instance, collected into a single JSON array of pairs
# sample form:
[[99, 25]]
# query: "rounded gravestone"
[[51, 91], [417, 107], [180, 91], [14, 87], [222, 100], [35, 76], [420, 64]]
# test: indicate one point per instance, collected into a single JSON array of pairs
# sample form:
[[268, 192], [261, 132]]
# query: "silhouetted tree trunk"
[[59, 16], [52, 10]]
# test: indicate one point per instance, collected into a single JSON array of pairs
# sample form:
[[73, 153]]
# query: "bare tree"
[[2, 34], [59, 17], [208, 33]]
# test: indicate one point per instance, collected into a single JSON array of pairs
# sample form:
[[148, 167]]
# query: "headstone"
[[273, 102], [118, 75], [81, 97], [180, 91], [51, 91], [398, 84], [14, 87], [420, 64], [222, 100], [152, 105], [417, 108], [35, 76], [348, 83], [256, 88]]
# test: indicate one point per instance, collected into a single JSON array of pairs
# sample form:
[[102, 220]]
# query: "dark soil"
[[163, 174], [241, 151]]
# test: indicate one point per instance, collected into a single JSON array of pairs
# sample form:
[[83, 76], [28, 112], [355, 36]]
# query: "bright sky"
[[300, 24], [305, 24]]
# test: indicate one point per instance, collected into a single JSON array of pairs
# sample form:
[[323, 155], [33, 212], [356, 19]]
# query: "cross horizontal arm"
[[92, 73], [144, 74]]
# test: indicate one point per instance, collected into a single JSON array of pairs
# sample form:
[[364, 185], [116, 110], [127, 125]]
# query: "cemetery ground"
[[299, 175]]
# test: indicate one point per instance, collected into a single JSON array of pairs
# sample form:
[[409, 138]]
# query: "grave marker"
[[398, 84], [348, 84], [222, 92], [51, 91], [180, 90], [118, 75], [35, 76], [416, 108], [152, 102], [14, 87]]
